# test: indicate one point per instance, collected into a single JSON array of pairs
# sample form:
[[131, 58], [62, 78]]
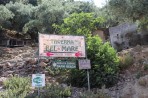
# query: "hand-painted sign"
[[64, 64], [38, 80], [61, 46], [84, 64]]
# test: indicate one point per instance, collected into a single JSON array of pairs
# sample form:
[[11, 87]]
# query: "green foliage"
[[22, 12], [16, 87], [53, 71], [46, 14], [80, 24], [104, 65], [145, 67], [5, 15], [129, 10], [33, 16], [53, 91], [19, 87], [139, 74], [126, 61], [90, 94], [78, 7], [103, 57], [4, 1], [142, 82]]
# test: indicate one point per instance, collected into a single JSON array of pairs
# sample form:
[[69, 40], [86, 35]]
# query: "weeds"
[[90, 94], [125, 61], [16, 87]]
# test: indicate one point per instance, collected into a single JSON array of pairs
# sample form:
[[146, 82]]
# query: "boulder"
[[43, 64], [2, 79], [8, 64], [32, 61]]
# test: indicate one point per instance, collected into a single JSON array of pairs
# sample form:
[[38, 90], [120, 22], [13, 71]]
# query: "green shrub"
[[16, 87], [139, 74], [145, 67], [90, 94], [53, 71], [104, 65], [125, 61], [57, 91], [142, 82]]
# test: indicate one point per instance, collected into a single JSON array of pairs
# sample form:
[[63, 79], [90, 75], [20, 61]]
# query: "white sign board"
[[61, 46], [84, 64], [38, 80]]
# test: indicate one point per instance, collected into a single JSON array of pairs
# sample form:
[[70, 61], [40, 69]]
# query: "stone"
[[2, 79], [143, 81], [32, 61], [1, 66], [42, 64], [64, 85], [8, 64], [10, 72], [9, 75], [128, 91], [44, 60]]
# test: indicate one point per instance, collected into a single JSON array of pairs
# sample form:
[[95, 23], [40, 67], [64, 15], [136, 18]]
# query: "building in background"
[[12, 38]]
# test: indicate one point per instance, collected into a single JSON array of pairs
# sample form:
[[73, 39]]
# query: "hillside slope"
[[133, 80]]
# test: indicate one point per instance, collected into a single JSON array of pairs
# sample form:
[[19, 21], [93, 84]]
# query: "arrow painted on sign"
[[49, 54], [77, 54], [37, 80]]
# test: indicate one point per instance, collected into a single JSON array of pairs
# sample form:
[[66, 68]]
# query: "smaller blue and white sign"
[[38, 80]]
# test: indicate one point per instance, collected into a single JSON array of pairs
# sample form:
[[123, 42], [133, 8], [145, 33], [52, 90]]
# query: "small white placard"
[[38, 80], [84, 64]]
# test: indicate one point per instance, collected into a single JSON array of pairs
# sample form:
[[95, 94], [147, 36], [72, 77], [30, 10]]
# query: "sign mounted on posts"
[[38, 80], [84, 64], [64, 64], [61, 46]]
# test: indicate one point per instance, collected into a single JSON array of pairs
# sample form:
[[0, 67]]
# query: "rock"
[[46, 73], [32, 61], [8, 64], [141, 87], [9, 75], [143, 81], [42, 64], [1, 89], [20, 66], [128, 91], [1, 66], [10, 72], [64, 85], [44, 60], [138, 48], [2, 79]]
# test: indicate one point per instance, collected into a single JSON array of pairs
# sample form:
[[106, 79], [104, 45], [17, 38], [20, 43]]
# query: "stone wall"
[[124, 36]]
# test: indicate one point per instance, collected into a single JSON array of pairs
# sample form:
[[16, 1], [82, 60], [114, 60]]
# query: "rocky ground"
[[23, 61]]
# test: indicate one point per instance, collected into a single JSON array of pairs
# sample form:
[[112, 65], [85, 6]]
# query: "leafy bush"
[[104, 65], [142, 82], [61, 74], [16, 87], [125, 61], [53, 91], [90, 94], [139, 74]]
